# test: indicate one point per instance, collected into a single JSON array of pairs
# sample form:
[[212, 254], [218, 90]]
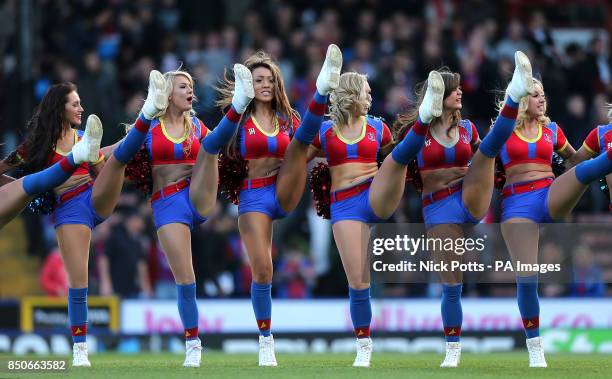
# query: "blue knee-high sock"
[[361, 311], [593, 169], [409, 147], [261, 297], [188, 309], [133, 141], [50, 177], [77, 313], [222, 133], [502, 129], [452, 314], [311, 123], [529, 304]]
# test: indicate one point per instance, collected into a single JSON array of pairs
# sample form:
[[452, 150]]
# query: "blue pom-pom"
[[44, 203]]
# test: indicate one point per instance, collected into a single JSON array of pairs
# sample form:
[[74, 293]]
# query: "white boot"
[[453, 354], [193, 353], [157, 96], [79, 355], [521, 84], [536, 352], [364, 352], [434, 98], [266, 351], [88, 148], [329, 77], [243, 88]]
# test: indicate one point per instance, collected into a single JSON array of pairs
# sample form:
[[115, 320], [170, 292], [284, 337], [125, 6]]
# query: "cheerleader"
[[276, 170], [457, 175], [16, 194], [184, 159], [532, 195], [81, 202], [362, 193]]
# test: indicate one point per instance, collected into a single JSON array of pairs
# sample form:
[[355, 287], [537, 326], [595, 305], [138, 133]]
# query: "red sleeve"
[[387, 137], [296, 123], [203, 129], [317, 141], [475, 136], [591, 143], [561, 140]]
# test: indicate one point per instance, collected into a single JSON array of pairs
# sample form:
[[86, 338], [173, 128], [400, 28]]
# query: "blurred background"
[[108, 48]]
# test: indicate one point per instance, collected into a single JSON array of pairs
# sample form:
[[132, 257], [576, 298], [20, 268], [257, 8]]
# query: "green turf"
[[384, 365]]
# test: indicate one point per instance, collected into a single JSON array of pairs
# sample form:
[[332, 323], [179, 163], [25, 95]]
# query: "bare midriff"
[[441, 178], [349, 174], [167, 174], [528, 172], [72, 183], [264, 167]]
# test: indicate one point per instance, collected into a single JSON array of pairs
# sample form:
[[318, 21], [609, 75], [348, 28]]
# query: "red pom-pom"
[[232, 171], [500, 174], [413, 176], [139, 171], [320, 186]]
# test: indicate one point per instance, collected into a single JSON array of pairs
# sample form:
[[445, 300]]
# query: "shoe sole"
[[157, 83], [244, 78], [93, 133], [435, 84], [522, 62], [333, 58]]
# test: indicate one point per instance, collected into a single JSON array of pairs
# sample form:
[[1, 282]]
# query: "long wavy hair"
[[346, 98], [280, 102], [451, 80], [522, 118], [46, 126]]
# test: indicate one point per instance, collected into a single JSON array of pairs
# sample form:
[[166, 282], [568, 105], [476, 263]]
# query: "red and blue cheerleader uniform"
[[530, 199], [599, 141], [74, 206], [172, 204], [446, 206], [259, 194], [353, 203]]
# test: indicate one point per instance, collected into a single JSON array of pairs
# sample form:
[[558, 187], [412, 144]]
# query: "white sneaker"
[[364, 352], [88, 148], [193, 353], [266, 351], [329, 77], [79, 355], [521, 84], [243, 88], [536, 352], [157, 96], [453, 354], [434, 98]]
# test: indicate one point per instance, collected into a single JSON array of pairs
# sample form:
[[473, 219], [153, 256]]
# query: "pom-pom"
[[603, 185], [320, 186], [14, 159], [139, 171], [413, 176], [500, 174], [558, 165], [44, 203], [232, 171]]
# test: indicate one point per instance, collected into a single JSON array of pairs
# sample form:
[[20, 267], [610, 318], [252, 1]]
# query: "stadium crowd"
[[108, 48]]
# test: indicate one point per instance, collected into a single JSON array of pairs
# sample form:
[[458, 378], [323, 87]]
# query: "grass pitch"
[[384, 365]]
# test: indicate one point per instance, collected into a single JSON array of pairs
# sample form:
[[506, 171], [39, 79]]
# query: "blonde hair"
[[280, 102], [344, 99], [452, 81], [609, 105], [187, 115], [522, 117]]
